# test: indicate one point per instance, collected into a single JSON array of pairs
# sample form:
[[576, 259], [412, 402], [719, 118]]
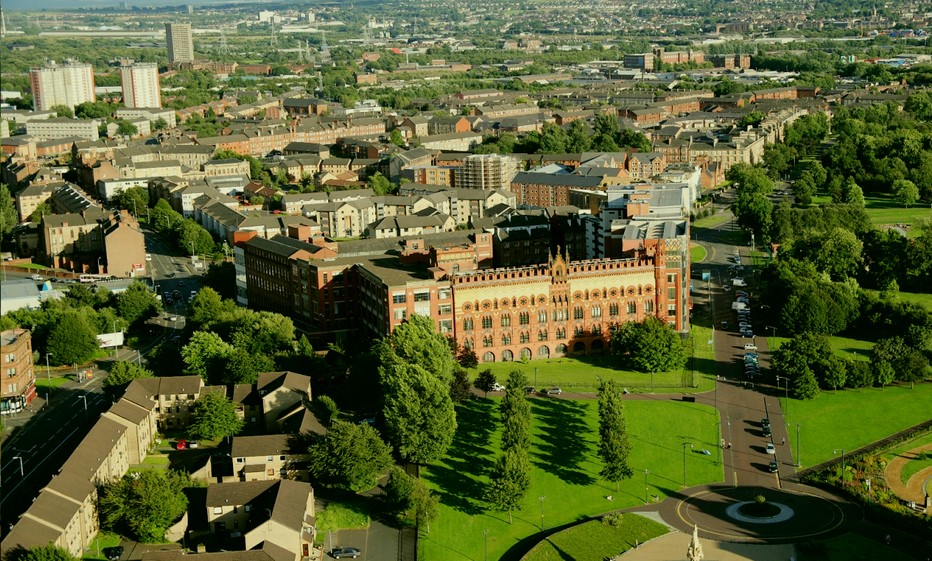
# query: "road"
[[43, 440]]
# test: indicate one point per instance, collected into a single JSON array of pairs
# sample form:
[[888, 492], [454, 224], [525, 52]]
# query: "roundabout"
[[721, 513]]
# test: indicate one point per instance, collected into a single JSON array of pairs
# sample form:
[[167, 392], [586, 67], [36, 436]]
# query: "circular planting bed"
[[759, 510]]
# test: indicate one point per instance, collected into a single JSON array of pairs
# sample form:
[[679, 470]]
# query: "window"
[[423, 296], [596, 311], [542, 316], [445, 309], [561, 333], [10, 357], [218, 510], [10, 372], [671, 310], [190, 397], [487, 341], [446, 326], [525, 337], [524, 318], [270, 458], [400, 314], [468, 343], [506, 339], [525, 354], [282, 458], [577, 331], [578, 312], [649, 307], [399, 298], [671, 293], [488, 357], [444, 293], [542, 335], [467, 324], [632, 308], [597, 329], [486, 322], [241, 460], [506, 320], [247, 508], [613, 310]]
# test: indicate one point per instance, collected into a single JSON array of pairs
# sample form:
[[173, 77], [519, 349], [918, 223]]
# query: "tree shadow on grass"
[[468, 458], [563, 448]]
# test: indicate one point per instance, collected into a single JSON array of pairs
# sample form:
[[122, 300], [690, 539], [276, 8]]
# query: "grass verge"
[[850, 547], [595, 541], [913, 466], [103, 540], [341, 516], [697, 253], [853, 418], [565, 482]]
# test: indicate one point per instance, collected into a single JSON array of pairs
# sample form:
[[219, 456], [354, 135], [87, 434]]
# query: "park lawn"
[[849, 547], [710, 222], [156, 460], [565, 481], [595, 541], [697, 253], [853, 418], [103, 540], [917, 298], [912, 467], [846, 347], [335, 516], [582, 374]]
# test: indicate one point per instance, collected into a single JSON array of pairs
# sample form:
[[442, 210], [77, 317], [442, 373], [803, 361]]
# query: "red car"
[[182, 444]]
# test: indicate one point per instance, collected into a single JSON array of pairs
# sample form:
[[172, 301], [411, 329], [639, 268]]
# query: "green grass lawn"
[[716, 219], [697, 253], [912, 467], [883, 209], [849, 547], [851, 348], [103, 540], [595, 541], [917, 298], [341, 516], [582, 374], [564, 469], [851, 419]]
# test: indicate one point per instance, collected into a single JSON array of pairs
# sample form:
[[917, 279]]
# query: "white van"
[[738, 281], [739, 306]]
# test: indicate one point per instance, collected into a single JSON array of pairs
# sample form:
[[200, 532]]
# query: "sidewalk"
[[672, 547]]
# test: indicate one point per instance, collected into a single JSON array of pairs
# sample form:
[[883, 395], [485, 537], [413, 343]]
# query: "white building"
[[63, 127], [66, 84], [180, 42], [487, 171], [141, 85]]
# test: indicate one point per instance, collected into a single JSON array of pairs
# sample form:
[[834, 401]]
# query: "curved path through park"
[[912, 490]]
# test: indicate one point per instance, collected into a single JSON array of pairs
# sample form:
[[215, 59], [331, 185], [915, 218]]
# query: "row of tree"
[[511, 476]]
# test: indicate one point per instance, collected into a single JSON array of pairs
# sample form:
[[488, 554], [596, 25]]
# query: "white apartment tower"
[[487, 171], [67, 84], [180, 42], [141, 85]]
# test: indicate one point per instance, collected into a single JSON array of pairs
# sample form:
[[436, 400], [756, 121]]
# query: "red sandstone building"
[[19, 379]]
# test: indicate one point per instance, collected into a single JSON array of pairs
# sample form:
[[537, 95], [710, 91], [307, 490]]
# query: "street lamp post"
[[84, 397], [646, 486], [48, 375], [685, 444], [535, 376], [835, 451], [651, 381], [773, 331], [541, 499], [21, 472], [786, 395], [799, 462]]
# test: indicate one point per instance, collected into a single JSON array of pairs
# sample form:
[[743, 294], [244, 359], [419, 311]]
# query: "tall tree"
[[121, 374], [579, 139], [648, 346], [511, 478], [7, 211], [419, 414], [73, 340], [137, 303], [144, 503], [905, 192], [50, 552], [205, 354], [215, 416], [485, 381], [417, 341], [349, 456], [426, 504], [614, 444]]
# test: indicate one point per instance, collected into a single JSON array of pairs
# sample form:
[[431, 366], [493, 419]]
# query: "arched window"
[[524, 318], [542, 316], [507, 356], [597, 329], [525, 337], [596, 312], [542, 335], [561, 333], [526, 353], [561, 349], [487, 341], [486, 322], [578, 312], [468, 343], [648, 306], [506, 338], [506, 320], [613, 310], [467, 324], [488, 357], [632, 307], [543, 351], [578, 330]]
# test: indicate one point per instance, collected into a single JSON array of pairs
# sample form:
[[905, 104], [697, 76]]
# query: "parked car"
[[37, 277], [496, 387], [528, 389], [745, 325], [765, 422], [767, 432], [738, 281], [341, 552], [193, 444], [741, 293], [747, 334], [113, 553], [771, 449], [773, 468], [554, 391], [750, 347]]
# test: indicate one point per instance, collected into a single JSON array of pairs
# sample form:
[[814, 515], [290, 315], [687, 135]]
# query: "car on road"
[[726, 287], [113, 553], [772, 467], [341, 552], [496, 387], [750, 347], [765, 422], [747, 334], [554, 391], [771, 449], [767, 432], [738, 281]]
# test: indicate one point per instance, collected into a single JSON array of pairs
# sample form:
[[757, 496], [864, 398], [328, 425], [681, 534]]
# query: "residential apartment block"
[[180, 43], [62, 127], [68, 84], [140, 81], [18, 387]]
